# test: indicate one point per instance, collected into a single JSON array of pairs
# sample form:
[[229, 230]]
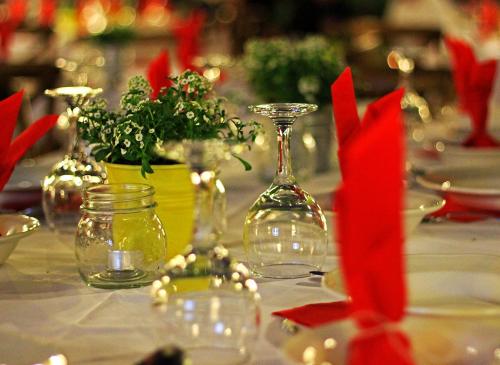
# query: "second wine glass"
[[285, 233]]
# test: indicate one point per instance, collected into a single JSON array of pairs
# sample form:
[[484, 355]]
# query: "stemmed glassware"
[[63, 186], [285, 233], [208, 302]]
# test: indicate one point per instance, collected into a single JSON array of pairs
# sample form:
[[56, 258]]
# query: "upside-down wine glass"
[[208, 303], [63, 186], [285, 233]]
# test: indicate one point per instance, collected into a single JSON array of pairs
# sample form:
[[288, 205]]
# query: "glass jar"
[[120, 242]]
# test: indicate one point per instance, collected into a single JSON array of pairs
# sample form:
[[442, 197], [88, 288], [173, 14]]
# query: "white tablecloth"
[[45, 308]]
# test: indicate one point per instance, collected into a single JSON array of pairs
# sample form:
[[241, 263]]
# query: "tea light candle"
[[120, 260]]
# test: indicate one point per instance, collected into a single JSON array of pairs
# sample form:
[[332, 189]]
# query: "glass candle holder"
[[208, 302], [63, 186], [120, 242], [285, 232]]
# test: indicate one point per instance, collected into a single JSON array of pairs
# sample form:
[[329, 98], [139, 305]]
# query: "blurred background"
[[255, 51]]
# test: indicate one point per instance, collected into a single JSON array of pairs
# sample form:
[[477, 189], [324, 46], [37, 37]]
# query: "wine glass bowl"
[[285, 232]]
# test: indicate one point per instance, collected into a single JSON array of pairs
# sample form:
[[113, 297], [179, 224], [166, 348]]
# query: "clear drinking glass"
[[62, 187], [120, 241], [285, 234], [208, 302]]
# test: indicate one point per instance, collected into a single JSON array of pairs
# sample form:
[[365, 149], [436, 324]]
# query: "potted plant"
[[126, 141], [297, 70]]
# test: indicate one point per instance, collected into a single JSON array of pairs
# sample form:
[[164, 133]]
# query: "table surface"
[[45, 308]]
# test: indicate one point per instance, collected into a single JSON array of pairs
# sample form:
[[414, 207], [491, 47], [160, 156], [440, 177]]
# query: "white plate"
[[418, 205], [476, 187], [445, 285]]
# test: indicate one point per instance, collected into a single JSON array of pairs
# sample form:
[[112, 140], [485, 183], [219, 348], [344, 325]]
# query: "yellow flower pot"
[[174, 195]]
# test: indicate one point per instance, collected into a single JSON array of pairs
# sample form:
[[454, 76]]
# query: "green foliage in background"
[[187, 110], [288, 70]]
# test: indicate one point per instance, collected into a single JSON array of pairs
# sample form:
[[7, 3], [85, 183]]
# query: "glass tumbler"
[[120, 241], [285, 234]]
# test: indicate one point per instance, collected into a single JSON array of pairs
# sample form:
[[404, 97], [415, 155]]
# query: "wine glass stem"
[[284, 173], [203, 234]]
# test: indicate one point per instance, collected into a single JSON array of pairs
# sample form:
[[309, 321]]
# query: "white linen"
[[45, 308]]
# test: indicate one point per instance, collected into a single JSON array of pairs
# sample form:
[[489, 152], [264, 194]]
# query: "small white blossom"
[[128, 130], [191, 78], [184, 82], [138, 137], [190, 115], [109, 122], [107, 131], [126, 143], [123, 151], [151, 130], [141, 144], [206, 119]]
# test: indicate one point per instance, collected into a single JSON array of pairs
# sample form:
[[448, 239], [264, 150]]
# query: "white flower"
[[128, 130], [190, 115], [126, 143], [138, 137], [109, 122], [206, 119], [142, 144], [107, 131], [184, 82], [123, 151], [151, 130], [191, 78]]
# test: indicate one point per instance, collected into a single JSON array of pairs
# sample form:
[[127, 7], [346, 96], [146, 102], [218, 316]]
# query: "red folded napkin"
[[11, 152], [158, 73], [187, 32], [313, 315], [455, 211], [47, 12], [370, 236], [473, 83]]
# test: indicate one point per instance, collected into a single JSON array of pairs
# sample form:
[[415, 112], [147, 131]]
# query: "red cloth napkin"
[[454, 211], [10, 153], [370, 235], [473, 83], [47, 12], [187, 32], [158, 73], [313, 315]]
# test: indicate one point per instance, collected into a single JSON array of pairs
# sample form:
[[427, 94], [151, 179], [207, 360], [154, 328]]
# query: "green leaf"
[[245, 163], [100, 155]]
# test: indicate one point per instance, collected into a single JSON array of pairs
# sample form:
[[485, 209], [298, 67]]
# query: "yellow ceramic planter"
[[174, 195]]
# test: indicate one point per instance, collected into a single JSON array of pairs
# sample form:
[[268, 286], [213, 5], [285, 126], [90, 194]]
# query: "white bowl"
[[472, 186], [418, 205], [13, 228]]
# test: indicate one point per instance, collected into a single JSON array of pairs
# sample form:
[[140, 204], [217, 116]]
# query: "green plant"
[[188, 109], [288, 70]]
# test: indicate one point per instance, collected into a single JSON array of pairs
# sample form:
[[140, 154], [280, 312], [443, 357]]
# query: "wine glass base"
[[212, 355], [289, 270]]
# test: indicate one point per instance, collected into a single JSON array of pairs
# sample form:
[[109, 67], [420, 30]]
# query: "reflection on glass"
[[208, 302]]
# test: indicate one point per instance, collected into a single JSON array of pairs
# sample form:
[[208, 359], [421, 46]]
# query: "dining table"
[[46, 309]]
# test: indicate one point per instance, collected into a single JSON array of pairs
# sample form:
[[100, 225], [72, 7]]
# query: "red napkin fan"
[[158, 73], [187, 33], [10, 153], [371, 197], [473, 84]]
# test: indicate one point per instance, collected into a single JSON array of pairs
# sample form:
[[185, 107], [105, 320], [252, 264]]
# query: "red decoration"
[[158, 73], [187, 32], [10, 153], [473, 84]]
